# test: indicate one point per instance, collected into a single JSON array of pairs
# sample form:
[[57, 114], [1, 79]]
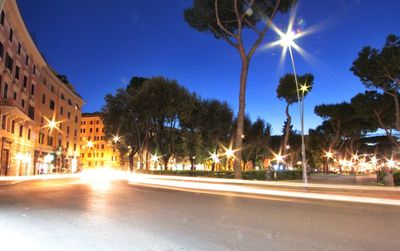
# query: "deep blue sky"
[[101, 44]]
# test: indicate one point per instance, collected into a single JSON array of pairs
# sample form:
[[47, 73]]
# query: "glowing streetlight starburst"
[[215, 158], [329, 154], [304, 88], [154, 158], [51, 124], [279, 158], [116, 138], [229, 153], [391, 163], [90, 144]]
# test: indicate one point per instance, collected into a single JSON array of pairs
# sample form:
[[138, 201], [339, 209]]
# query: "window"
[[74, 147], [52, 88], [59, 143], [34, 69], [67, 129], [16, 72], [91, 122], [3, 122], [41, 138], [69, 115], [44, 99], [19, 48], [89, 155], [9, 62], [21, 130], [102, 146], [97, 129], [102, 155], [91, 130], [29, 134], [5, 91], [62, 96], [32, 90], [60, 126], [97, 122], [61, 110], [67, 145], [1, 50], [52, 105], [2, 18], [31, 112], [11, 35], [23, 103], [25, 82], [75, 132], [49, 140], [26, 59], [82, 155], [15, 96], [13, 126], [76, 119], [69, 102]]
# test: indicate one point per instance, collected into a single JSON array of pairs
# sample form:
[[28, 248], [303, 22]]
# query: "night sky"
[[101, 44]]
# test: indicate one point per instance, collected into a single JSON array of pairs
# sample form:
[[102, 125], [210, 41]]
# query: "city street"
[[99, 214]]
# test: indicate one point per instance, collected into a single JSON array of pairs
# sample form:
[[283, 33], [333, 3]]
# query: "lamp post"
[[287, 42]]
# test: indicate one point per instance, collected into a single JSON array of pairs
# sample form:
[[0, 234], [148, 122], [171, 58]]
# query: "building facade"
[[95, 150], [40, 111]]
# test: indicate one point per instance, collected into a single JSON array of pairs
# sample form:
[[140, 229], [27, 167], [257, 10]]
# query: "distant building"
[[40, 111], [95, 150]]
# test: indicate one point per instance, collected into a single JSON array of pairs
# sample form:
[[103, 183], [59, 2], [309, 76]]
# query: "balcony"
[[11, 106]]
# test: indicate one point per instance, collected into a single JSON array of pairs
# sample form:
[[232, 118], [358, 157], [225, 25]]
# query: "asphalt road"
[[73, 215]]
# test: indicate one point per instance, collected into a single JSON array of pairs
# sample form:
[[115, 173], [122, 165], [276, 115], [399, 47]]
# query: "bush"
[[246, 175], [396, 178], [380, 174]]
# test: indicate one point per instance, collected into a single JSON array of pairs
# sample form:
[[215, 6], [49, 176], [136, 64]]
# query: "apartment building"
[[40, 111], [95, 150]]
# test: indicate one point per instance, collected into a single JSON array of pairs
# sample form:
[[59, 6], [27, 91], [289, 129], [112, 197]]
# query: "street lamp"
[[116, 139], [287, 42]]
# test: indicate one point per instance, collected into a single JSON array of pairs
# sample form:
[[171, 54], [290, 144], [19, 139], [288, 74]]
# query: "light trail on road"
[[204, 186]]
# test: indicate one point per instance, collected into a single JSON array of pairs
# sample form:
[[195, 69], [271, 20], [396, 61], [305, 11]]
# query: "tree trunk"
[[131, 164], [240, 118], [397, 106], [287, 130], [166, 161]]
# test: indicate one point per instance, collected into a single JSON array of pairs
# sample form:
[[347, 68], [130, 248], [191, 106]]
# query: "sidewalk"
[[11, 180]]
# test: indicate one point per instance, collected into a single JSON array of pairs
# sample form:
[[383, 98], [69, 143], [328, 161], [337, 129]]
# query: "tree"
[[256, 141], [129, 125], [227, 20], [287, 90], [335, 116], [380, 69], [165, 104], [377, 111], [215, 125]]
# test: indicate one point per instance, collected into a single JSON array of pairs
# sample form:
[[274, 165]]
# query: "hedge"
[[396, 178], [246, 175]]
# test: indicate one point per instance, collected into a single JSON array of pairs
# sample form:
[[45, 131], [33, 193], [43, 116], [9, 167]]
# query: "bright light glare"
[[215, 158], [279, 158], [100, 178], [154, 158], [90, 144], [229, 153], [287, 39], [329, 154], [391, 163], [116, 138]]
